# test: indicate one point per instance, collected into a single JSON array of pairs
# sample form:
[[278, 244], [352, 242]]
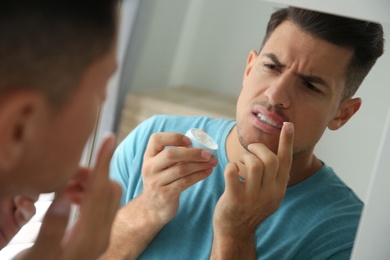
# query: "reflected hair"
[[363, 37], [46, 45]]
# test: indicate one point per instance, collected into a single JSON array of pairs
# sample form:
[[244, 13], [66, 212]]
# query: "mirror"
[[204, 45]]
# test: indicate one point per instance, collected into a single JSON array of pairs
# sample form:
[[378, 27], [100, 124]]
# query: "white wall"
[[352, 150], [155, 39], [216, 54], [372, 238], [205, 43]]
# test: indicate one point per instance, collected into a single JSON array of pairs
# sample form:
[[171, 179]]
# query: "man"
[[55, 60], [265, 195]]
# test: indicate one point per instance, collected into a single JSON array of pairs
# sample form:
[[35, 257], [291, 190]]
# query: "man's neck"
[[303, 169]]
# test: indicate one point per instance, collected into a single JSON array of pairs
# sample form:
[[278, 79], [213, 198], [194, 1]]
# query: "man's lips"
[[268, 120]]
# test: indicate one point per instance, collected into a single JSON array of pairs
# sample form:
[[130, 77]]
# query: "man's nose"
[[278, 92]]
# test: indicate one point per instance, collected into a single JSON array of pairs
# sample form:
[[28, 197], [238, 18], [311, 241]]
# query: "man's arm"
[[166, 172], [134, 228], [233, 248], [246, 204]]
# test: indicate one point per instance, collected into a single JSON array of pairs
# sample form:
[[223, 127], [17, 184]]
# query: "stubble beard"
[[241, 137]]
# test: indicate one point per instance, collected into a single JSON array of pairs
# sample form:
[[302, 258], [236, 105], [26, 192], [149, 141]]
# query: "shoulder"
[[326, 187], [338, 190], [327, 212]]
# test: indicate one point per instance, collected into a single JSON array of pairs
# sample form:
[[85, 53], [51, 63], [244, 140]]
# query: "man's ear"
[[17, 117], [252, 57], [346, 110]]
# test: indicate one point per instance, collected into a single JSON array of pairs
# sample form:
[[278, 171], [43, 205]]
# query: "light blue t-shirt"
[[317, 219]]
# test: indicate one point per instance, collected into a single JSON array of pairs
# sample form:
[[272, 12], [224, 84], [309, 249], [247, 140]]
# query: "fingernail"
[[213, 160], [186, 140], [206, 155], [288, 127], [60, 205]]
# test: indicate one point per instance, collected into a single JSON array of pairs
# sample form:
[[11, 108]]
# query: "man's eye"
[[272, 67], [311, 87]]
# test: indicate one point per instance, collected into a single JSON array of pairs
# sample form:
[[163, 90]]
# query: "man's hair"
[[47, 45], [363, 37]]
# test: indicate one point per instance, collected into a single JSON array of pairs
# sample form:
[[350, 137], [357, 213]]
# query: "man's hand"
[[169, 171], [99, 201], [246, 204], [14, 213]]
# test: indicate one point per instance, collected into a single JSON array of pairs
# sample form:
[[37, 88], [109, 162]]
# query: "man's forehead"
[[313, 59]]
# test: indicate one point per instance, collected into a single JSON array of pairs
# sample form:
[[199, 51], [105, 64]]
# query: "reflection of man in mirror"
[[265, 195], [55, 60]]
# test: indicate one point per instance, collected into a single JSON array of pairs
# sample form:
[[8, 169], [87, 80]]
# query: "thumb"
[[25, 209], [53, 228], [232, 178]]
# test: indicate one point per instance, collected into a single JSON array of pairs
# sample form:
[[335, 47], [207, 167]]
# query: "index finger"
[[103, 159], [100, 187], [285, 151], [158, 142]]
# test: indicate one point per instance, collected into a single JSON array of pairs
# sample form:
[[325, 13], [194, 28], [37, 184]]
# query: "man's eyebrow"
[[308, 78], [274, 59], [314, 79]]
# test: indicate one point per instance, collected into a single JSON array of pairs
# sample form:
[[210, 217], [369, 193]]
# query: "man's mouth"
[[268, 120]]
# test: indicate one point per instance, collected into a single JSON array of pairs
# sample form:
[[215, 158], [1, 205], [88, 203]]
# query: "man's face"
[[65, 133], [295, 78]]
